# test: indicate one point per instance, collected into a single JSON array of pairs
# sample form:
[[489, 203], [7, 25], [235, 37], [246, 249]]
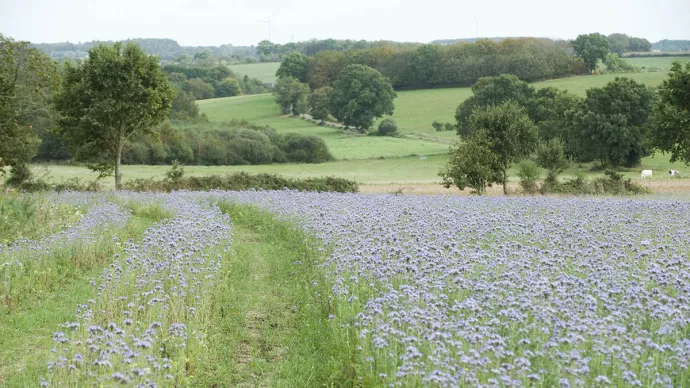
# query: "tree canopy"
[[591, 47], [510, 133], [613, 124], [117, 92], [27, 81], [295, 65], [492, 91], [360, 95], [291, 95], [473, 164], [671, 114], [319, 102], [227, 88]]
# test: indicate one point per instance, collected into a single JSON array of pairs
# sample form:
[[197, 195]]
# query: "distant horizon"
[[338, 39], [245, 23]]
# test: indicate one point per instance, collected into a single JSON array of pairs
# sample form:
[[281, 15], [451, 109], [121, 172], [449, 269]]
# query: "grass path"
[[272, 330]]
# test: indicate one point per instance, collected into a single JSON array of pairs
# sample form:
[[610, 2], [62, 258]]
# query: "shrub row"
[[613, 183], [243, 181], [222, 144]]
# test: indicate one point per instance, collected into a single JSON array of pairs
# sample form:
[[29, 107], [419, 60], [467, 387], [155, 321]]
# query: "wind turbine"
[[269, 24]]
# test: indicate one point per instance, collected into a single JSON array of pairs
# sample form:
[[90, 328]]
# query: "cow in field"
[[646, 174], [674, 173]]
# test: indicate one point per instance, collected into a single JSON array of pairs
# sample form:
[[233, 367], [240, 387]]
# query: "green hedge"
[[243, 181]]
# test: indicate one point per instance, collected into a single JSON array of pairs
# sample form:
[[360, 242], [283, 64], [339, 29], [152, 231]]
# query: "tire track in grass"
[[271, 326]]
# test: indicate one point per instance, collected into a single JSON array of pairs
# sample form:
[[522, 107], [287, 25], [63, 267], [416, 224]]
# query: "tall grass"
[[36, 296], [28, 275], [31, 216]]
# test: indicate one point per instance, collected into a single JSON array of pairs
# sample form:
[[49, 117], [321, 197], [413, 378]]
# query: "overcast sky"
[[216, 22]]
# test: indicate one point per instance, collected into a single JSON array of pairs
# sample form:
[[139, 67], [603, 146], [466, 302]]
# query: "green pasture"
[[262, 110], [266, 72], [408, 170], [663, 63], [374, 171], [416, 157], [415, 110]]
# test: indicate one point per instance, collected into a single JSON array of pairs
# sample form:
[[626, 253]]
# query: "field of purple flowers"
[[505, 291], [435, 291]]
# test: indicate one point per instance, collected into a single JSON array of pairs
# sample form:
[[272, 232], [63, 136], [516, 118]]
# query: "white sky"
[[216, 22]]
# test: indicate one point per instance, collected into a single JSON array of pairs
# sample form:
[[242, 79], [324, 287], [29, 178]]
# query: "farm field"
[[262, 110], [385, 164], [265, 72], [379, 174], [279, 288], [658, 62], [415, 110]]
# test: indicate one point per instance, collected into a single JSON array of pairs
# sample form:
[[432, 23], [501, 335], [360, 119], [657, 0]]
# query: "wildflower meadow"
[[381, 290]]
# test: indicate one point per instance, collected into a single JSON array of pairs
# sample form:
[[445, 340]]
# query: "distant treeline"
[[470, 40], [618, 43], [170, 51], [667, 45], [210, 144], [200, 83], [460, 64], [166, 49], [266, 51], [273, 52]]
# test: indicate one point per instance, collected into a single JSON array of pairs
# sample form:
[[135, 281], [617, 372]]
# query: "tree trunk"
[[505, 181], [118, 176]]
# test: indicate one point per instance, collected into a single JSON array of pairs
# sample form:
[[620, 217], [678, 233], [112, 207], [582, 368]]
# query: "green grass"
[[360, 157], [375, 171], [266, 72], [273, 329], [32, 216], [262, 110], [414, 112], [407, 170], [50, 296], [659, 62], [579, 85]]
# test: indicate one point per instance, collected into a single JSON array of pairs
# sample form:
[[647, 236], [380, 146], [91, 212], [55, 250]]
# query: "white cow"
[[674, 173], [646, 174]]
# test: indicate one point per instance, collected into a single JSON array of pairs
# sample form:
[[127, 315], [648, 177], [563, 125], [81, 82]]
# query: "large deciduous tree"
[[27, 81], [509, 131], [490, 91], [472, 164], [199, 89], [319, 101], [671, 114], [295, 65], [227, 88], [291, 95], [324, 68], [591, 47], [613, 125], [116, 93], [360, 95]]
